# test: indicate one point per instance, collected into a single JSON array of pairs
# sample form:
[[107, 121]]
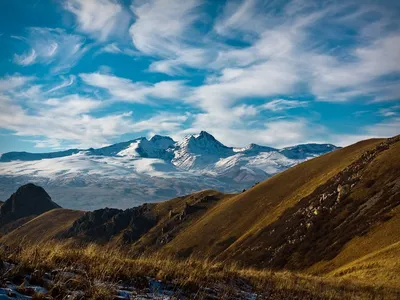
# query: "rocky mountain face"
[[141, 170], [104, 224]]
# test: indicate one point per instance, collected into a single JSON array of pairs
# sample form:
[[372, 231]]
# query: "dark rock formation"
[[104, 224], [28, 200]]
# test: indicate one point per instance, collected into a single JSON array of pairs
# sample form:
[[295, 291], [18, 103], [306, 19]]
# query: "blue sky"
[[87, 73]]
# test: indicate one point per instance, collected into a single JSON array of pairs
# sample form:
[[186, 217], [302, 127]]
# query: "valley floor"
[[58, 270]]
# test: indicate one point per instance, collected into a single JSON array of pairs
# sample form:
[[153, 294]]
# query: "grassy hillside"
[[350, 204], [234, 219], [42, 228]]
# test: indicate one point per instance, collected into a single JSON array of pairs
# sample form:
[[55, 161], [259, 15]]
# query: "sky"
[[89, 73]]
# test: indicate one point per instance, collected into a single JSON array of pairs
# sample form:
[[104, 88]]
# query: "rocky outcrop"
[[28, 201], [104, 224], [157, 223]]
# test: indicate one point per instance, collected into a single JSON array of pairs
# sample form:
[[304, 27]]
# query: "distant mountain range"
[[142, 170]]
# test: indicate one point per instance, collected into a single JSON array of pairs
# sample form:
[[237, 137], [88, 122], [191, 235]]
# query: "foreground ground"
[[64, 271]]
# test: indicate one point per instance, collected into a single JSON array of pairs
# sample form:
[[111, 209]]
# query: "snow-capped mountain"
[[199, 151], [141, 170]]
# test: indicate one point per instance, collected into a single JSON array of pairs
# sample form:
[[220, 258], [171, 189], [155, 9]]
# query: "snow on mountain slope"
[[129, 173], [10, 156], [156, 147], [199, 151], [307, 150]]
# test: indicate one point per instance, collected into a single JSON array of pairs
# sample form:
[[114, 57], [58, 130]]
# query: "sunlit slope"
[[366, 256], [382, 267], [42, 228], [233, 219]]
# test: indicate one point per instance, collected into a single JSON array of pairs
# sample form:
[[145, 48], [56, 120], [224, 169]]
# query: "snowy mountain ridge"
[[148, 170]]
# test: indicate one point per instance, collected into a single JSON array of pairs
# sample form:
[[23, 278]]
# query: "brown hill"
[[42, 228]]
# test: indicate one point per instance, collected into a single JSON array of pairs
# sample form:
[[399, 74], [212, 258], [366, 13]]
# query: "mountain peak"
[[258, 148], [204, 141], [205, 134], [28, 200], [160, 137]]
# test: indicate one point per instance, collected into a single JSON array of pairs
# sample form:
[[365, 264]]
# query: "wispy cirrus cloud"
[[100, 18], [165, 29], [26, 59], [53, 47], [388, 128], [289, 40], [70, 120], [123, 89], [116, 49], [12, 82], [64, 84], [282, 104]]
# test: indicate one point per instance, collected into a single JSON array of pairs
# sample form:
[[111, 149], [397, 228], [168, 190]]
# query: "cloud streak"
[[99, 18], [122, 89], [53, 47]]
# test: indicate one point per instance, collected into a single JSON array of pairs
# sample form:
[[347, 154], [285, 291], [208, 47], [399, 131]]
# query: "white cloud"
[[123, 89], [25, 59], [161, 123], [282, 104], [334, 80], [162, 25], [100, 18], [52, 46], [240, 17], [9, 83], [261, 80], [115, 49], [66, 83], [57, 124], [49, 143], [385, 129], [71, 105], [73, 119], [390, 111], [276, 133], [164, 29]]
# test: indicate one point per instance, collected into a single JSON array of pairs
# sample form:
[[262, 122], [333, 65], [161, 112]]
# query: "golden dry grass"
[[109, 266], [42, 228], [374, 255]]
